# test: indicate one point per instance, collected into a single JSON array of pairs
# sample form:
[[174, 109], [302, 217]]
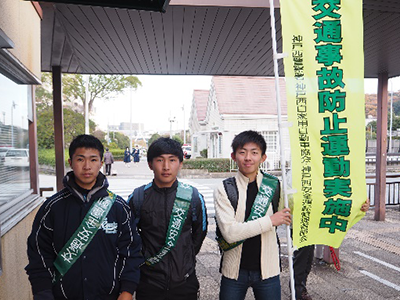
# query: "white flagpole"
[[280, 125]]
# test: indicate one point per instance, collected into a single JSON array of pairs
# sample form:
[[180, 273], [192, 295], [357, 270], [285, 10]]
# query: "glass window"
[[14, 140], [271, 140]]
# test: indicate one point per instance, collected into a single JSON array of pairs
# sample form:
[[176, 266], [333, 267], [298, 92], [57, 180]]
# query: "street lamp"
[[184, 128], [87, 99], [171, 120], [370, 130], [12, 123], [130, 121], [391, 117]]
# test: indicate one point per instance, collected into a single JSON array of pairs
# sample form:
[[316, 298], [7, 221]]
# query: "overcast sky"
[[371, 85], [159, 99], [162, 97]]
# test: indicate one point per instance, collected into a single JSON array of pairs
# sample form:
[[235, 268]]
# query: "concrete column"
[[381, 138], [58, 126]]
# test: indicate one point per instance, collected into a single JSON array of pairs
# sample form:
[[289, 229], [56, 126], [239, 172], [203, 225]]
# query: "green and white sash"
[[259, 209], [176, 221], [82, 237]]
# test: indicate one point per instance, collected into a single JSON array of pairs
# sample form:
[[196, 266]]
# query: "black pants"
[[108, 169], [187, 291], [302, 262]]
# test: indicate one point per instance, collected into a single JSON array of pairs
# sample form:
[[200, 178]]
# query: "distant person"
[[83, 243], [127, 157], [245, 208], [171, 219], [136, 155], [108, 161]]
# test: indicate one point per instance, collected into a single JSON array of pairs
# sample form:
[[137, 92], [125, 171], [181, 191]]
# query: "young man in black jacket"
[[83, 243], [172, 221]]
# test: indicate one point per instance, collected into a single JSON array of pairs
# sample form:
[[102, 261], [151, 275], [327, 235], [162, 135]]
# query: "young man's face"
[[165, 168], [248, 159], [86, 164]]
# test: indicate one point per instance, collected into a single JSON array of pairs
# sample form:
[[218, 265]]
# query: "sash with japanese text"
[[82, 237], [324, 73], [259, 209], [176, 221]]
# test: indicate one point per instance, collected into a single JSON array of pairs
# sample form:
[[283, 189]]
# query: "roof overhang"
[[203, 37], [150, 5]]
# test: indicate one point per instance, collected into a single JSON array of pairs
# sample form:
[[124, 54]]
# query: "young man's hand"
[[281, 217], [125, 296], [365, 206]]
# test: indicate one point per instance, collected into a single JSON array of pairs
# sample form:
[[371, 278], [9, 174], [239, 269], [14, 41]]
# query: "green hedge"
[[210, 164], [47, 157], [118, 154]]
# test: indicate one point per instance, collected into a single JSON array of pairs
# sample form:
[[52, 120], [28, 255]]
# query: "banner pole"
[[281, 144]]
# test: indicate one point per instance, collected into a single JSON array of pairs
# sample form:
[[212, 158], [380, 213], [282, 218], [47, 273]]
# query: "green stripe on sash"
[[82, 237], [176, 221], [259, 209]]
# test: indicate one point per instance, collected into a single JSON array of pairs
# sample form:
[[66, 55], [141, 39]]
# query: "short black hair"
[[249, 136], [86, 141], [164, 146]]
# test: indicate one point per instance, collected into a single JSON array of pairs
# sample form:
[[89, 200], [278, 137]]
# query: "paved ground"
[[369, 255]]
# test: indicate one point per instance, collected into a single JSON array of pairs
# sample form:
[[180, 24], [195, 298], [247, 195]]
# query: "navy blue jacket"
[[110, 263]]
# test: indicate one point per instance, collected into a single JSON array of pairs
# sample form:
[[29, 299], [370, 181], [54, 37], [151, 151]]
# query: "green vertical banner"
[[324, 73]]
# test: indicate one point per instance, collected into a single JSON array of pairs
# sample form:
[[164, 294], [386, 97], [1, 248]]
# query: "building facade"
[[232, 105], [19, 199]]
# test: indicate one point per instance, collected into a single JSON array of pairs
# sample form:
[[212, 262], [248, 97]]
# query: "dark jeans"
[[302, 263], [267, 289], [108, 169], [187, 291]]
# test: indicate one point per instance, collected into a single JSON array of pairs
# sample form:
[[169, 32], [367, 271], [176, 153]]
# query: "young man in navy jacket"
[[83, 243]]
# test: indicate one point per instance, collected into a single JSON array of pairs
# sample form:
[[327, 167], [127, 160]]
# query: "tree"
[[396, 108], [101, 135], [177, 137], [121, 140], [154, 137], [370, 130], [100, 86], [44, 93], [395, 124], [74, 125]]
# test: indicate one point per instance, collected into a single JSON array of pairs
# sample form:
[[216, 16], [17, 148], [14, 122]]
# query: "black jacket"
[[109, 264], [155, 215]]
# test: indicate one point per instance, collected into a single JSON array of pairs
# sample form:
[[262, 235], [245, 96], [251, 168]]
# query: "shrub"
[[203, 153], [47, 157], [210, 164], [118, 154]]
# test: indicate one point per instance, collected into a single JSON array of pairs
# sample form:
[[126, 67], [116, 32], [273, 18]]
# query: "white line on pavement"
[[378, 261], [383, 281]]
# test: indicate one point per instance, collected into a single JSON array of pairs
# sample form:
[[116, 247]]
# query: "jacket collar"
[[99, 189], [244, 180], [167, 190]]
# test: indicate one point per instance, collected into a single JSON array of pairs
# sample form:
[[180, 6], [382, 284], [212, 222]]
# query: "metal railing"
[[392, 189]]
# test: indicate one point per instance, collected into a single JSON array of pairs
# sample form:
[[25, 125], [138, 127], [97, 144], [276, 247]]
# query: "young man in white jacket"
[[249, 242]]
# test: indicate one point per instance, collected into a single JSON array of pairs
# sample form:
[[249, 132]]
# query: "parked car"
[[187, 151], [3, 152], [17, 158]]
